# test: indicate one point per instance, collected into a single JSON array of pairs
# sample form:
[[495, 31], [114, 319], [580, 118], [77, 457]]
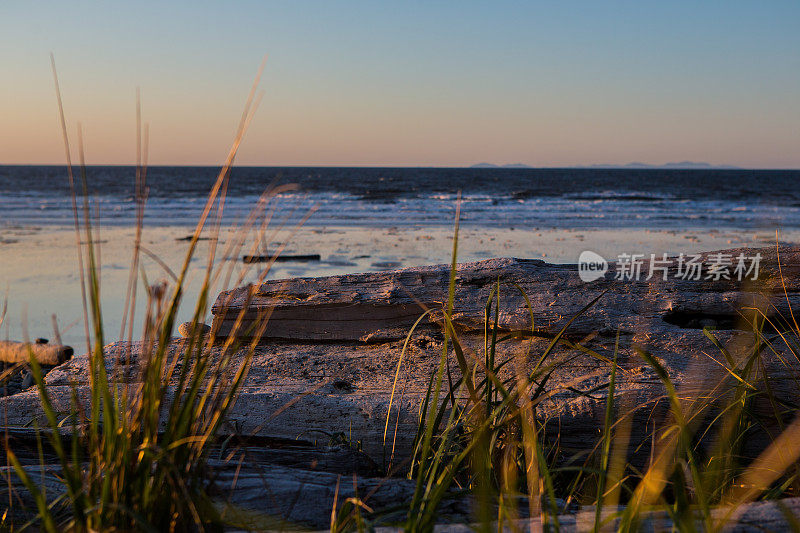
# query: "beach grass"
[[136, 454]]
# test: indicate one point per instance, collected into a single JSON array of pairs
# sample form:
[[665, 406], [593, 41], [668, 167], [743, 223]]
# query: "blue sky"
[[411, 83]]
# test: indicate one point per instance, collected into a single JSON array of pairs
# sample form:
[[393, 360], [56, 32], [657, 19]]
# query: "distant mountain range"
[[635, 164]]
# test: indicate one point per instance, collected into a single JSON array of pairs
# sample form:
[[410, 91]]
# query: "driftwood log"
[[281, 485], [283, 258], [383, 306], [332, 345], [45, 353], [275, 497]]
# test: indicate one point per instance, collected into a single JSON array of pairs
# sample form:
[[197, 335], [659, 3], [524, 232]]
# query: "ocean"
[[386, 197]]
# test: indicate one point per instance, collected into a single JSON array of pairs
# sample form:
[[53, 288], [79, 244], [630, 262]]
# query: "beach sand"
[[39, 272]]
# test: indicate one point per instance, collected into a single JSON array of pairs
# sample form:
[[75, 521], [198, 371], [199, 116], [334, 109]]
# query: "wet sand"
[[39, 272]]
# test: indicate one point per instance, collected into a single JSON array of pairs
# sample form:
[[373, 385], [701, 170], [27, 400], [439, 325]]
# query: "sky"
[[443, 83]]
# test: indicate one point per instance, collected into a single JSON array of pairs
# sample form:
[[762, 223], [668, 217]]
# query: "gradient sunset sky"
[[408, 83]]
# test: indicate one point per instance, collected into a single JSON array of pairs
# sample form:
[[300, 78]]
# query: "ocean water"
[[424, 197]]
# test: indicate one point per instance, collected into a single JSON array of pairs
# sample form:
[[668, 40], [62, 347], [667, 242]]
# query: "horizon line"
[[478, 166]]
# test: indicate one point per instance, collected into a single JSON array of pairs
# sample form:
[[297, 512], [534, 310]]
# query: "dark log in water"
[[284, 258]]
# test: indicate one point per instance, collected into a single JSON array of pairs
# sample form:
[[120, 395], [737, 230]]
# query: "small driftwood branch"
[[45, 354]]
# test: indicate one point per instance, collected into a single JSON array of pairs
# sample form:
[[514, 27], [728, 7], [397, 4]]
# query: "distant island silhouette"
[[634, 164]]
